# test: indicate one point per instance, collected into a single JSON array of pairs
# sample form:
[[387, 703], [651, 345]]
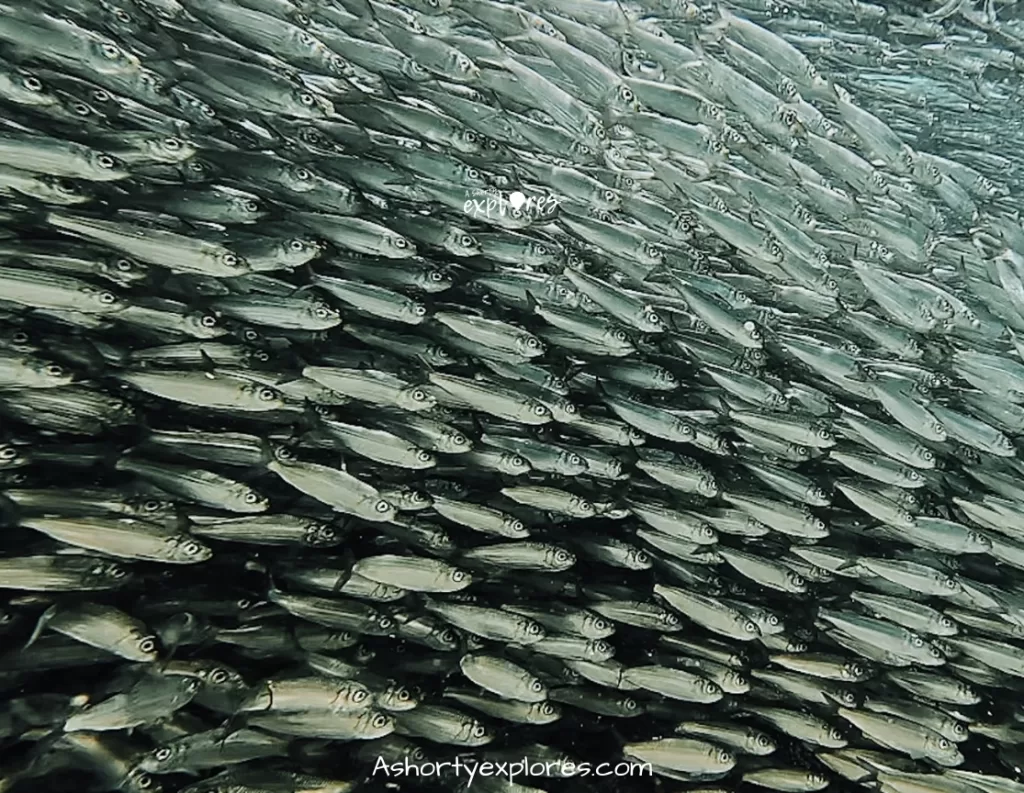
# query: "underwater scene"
[[549, 396]]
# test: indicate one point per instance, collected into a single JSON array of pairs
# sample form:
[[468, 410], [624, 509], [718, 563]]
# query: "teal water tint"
[[528, 383]]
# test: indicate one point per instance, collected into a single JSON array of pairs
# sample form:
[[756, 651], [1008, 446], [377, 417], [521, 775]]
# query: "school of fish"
[[568, 381]]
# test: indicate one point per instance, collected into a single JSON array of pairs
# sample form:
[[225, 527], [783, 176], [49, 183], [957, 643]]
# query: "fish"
[[385, 379]]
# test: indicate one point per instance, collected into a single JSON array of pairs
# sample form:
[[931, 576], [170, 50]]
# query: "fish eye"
[[32, 83], [218, 676], [466, 241], [191, 548], [105, 161], [724, 756], [208, 321], [359, 695], [479, 731], [251, 498], [297, 246], [267, 394], [400, 242], [419, 395], [307, 99], [147, 645], [458, 575], [749, 627], [251, 206], [382, 506], [174, 144], [109, 298], [534, 629], [380, 720], [53, 370], [540, 410], [8, 453], [163, 754], [110, 51], [424, 456], [917, 641], [943, 743], [517, 526]]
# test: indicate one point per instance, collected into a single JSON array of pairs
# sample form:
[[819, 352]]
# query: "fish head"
[[467, 141], [109, 573], [416, 398], [462, 69], [311, 104], [397, 697], [138, 781], [853, 671], [943, 751], [723, 759], [109, 58], [582, 506], [926, 174], [320, 535], [957, 729], [183, 548]]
